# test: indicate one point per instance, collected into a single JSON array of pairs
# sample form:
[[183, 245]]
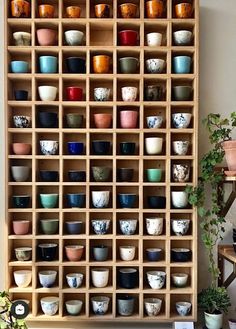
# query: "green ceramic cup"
[[154, 175], [74, 120], [128, 65], [49, 200], [49, 226]]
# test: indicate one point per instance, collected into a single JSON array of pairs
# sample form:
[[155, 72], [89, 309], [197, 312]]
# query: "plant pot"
[[230, 154], [213, 321]]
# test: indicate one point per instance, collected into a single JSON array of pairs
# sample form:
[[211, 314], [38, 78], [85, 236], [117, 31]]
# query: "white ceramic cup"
[[129, 94], [100, 277], [100, 199], [179, 279], [179, 199], [74, 280], [47, 93], [127, 253], [47, 278], [153, 145], [154, 225], [49, 305], [182, 37], [154, 39], [74, 37], [155, 65], [22, 278], [180, 147], [152, 306], [74, 306], [49, 147], [156, 279]]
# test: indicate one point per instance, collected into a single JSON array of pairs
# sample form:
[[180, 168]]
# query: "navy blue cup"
[[75, 148], [76, 65], [48, 119], [127, 200], [156, 202], [101, 147], [48, 175], [154, 254], [76, 200], [74, 227], [77, 175], [21, 95]]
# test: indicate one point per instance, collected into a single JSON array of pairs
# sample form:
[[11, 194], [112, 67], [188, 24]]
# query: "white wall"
[[217, 94]]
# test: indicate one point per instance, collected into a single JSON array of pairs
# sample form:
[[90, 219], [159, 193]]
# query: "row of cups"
[[49, 37], [101, 64]]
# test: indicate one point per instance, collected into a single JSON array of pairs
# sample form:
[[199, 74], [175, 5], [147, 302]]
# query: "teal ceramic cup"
[[49, 200], [19, 67], [48, 64], [182, 64], [154, 174]]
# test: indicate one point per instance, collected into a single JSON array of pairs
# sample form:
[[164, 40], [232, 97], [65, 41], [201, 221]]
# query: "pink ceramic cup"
[[47, 37], [21, 227], [128, 119]]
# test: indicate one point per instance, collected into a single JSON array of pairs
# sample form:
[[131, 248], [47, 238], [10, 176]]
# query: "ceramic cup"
[[101, 174], [74, 280], [128, 226], [21, 95], [154, 225], [180, 147], [155, 65], [74, 37], [47, 251], [128, 10], [48, 175], [100, 253], [100, 277], [48, 119], [179, 280], [183, 308], [153, 145], [182, 37], [129, 94], [154, 174], [73, 11], [74, 94], [154, 39], [20, 9], [125, 305], [154, 121], [102, 120], [100, 304], [154, 9], [181, 120], [101, 94], [47, 278], [22, 278], [20, 173], [153, 93], [74, 120], [49, 201], [152, 306], [19, 67], [76, 65], [22, 38], [48, 64], [21, 201], [21, 227], [127, 200], [101, 147], [182, 93], [74, 307], [128, 65], [156, 279], [180, 255], [127, 148], [125, 174], [23, 254], [154, 254], [127, 253], [74, 253], [182, 64], [46, 37], [156, 201], [47, 93], [128, 119], [75, 200], [128, 277], [74, 227], [180, 227], [232, 323], [49, 305], [102, 10], [179, 199], [75, 148], [180, 173], [128, 38], [77, 175], [100, 226], [183, 10], [100, 199], [49, 226], [101, 64], [46, 11]]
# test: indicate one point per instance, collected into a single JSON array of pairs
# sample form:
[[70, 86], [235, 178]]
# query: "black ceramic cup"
[[156, 202], [21, 95], [76, 65], [101, 147], [48, 175], [128, 278], [47, 251], [153, 93], [21, 201], [127, 148], [125, 174], [48, 119], [74, 227], [77, 175]]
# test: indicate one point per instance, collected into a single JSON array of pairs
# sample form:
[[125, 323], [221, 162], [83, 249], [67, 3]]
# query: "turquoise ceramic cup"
[[19, 67], [48, 64], [182, 64], [49, 200], [154, 175]]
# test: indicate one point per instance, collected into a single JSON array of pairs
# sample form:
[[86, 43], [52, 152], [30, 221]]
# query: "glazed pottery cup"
[[47, 37], [180, 173], [182, 64], [183, 308], [125, 174], [154, 39], [180, 226], [152, 306], [49, 175], [21, 201], [128, 38], [100, 304], [22, 38], [155, 65], [232, 324], [181, 255], [20, 9], [100, 199], [77, 175], [128, 10], [74, 94], [74, 120], [102, 10], [180, 147], [129, 94], [48, 119], [21, 148], [154, 9], [74, 307], [20, 173], [179, 199], [21, 227], [49, 200], [154, 122], [101, 64], [101, 94], [179, 280], [76, 200], [127, 200], [22, 278], [100, 226], [74, 37], [181, 120], [100, 277], [127, 253], [156, 202], [101, 174], [48, 251], [49, 305], [127, 148], [128, 226], [153, 145], [156, 279], [125, 305], [47, 278], [19, 67], [182, 37], [23, 253], [128, 65], [76, 65], [101, 147], [100, 253], [47, 93], [21, 95], [73, 12], [48, 64], [128, 278], [74, 280], [75, 148], [48, 147], [183, 10], [154, 225], [74, 253], [154, 174], [154, 254], [153, 93], [74, 227], [182, 93], [46, 11], [102, 120], [128, 119], [49, 226]]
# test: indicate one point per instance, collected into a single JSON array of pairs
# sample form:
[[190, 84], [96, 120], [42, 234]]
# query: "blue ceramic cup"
[[49, 201], [127, 200], [75, 148], [48, 64], [76, 200], [19, 67], [182, 64]]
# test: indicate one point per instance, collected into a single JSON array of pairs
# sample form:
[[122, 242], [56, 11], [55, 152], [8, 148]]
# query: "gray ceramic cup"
[[20, 173], [182, 93], [128, 65], [125, 305], [100, 253]]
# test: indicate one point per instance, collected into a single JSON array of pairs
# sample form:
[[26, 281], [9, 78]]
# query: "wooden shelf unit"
[[95, 30]]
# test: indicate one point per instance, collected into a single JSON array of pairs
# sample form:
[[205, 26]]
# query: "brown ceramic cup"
[[102, 120], [101, 64], [155, 9]]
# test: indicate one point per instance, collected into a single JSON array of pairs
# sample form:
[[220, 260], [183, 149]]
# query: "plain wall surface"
[[217, 94]]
